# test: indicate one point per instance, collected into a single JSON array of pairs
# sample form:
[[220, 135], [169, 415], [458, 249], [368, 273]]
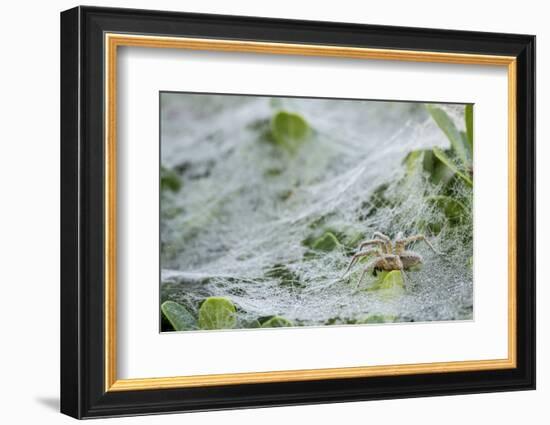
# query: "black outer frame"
[[82, 217]]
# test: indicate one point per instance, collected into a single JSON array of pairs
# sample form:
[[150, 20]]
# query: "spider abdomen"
[[410, 259]]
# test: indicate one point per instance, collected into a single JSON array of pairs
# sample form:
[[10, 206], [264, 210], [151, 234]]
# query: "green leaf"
[[252, 324], [441, 173], [289, 130], [284, 274], [326, 243], [169, 180], [449, 129], [390, 280], [178, 316], [277, 322], [426, 159], [469, 148], [352, 240], [273, 172], [469, 118], [378, 318], [217, 313], [453, 209], [389, 284], [429, 162], [442, 156], [412, 160]]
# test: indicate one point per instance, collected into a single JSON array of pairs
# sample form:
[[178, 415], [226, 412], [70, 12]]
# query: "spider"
[[389, 256]]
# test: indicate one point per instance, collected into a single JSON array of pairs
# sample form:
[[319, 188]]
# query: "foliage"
[[448, 162], [214, 313], [454, 210], [469, 120], [217, 313], [388, 284], [285, 275], [326, 243], [450, 169], [289, 130], [277, 322], [457, 160], [169, 180], [378, 318], [459, 147], [178, 316]]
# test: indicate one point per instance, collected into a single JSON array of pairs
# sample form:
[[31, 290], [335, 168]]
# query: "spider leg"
[[371, 242], [386, 239], [381, 236], [361, 278], [402, 243], [405, 279], [369, 266], [356, 257]]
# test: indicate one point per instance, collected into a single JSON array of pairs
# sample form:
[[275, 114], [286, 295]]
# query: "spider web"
[[237, 226]]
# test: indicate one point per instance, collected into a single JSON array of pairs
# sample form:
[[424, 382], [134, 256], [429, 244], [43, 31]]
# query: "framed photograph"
[[261, 212]]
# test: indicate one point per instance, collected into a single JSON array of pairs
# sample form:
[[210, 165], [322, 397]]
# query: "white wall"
[[29, 225]]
